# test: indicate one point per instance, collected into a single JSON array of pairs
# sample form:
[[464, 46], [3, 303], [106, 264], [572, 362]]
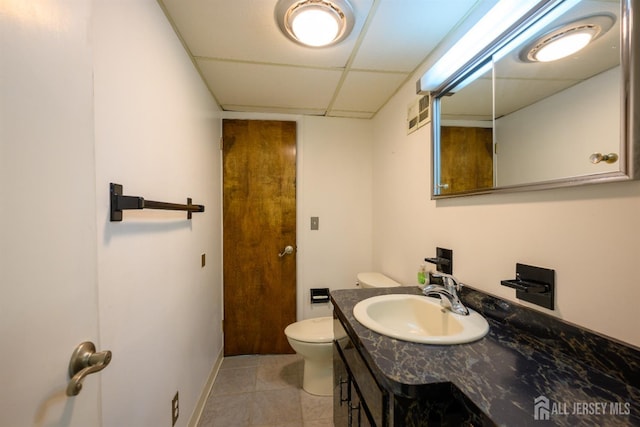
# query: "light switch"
[[315, 223], [203, 260]]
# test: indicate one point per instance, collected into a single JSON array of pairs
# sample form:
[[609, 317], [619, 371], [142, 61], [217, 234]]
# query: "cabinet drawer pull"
[[342, 382], [353, 408]]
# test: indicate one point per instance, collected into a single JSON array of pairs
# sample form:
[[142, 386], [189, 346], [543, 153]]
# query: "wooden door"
[[466, 158], [259, 220]]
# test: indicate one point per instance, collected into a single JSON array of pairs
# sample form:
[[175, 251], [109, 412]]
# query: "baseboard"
[[197, 412]]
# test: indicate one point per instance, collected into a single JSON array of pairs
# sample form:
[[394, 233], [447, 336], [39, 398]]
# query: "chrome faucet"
[[448, 293]]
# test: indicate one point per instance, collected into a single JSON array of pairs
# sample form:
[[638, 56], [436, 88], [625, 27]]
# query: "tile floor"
[[264, 391]]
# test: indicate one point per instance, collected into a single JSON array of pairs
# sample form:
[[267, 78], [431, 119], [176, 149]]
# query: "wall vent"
[[412, 117], [418, 113], [424, 110]]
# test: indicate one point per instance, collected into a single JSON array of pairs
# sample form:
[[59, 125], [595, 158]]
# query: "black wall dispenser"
[[536, 285], [443, 260]]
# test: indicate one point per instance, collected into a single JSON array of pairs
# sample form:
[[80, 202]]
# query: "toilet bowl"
[[313, 340], [373, 279]]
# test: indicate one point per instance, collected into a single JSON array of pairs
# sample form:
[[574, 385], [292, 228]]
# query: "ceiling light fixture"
[[315, 23], [567, 39]]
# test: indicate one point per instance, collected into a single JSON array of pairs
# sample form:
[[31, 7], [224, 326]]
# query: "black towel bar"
[[120, 203]]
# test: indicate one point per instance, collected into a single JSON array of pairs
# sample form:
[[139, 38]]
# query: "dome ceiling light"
[[315, 23], [566, 40]]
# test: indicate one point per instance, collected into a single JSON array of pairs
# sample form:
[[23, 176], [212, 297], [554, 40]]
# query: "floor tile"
[[237, 380], [228, 410], [316, 407], [276, 407], [283, 373], [240, 362], [264, 391]]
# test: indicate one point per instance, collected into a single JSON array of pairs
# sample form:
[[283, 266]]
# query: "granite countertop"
[[525, 355]]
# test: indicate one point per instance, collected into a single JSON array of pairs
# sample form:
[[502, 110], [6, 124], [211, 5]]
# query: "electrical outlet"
[[175, 409]]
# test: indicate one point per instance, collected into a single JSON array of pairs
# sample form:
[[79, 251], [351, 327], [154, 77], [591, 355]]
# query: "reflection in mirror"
[[466, 137], [524, 123], [552, 116]]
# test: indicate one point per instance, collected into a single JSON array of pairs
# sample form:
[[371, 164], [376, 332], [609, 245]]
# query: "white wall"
[[334, 184], [587, 234], [157, 134]]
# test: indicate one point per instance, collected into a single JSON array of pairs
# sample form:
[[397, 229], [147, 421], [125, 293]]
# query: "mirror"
[[511, 122]]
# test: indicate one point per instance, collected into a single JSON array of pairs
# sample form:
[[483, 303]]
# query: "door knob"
[[288, 250], [84, 361]]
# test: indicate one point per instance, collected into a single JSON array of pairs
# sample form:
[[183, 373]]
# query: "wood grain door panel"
[[259, 220], [466, 158]]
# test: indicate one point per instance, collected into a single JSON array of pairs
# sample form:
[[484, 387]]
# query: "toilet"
[[373, 279], [313, 340]]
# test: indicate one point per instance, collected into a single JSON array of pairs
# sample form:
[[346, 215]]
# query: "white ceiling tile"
[[249, 65], [278, 110], [404, 32], [246, 30], [367, 91], [260, 85], [351, 114]]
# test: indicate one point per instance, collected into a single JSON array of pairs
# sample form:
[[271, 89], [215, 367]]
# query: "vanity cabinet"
[[359, 399], [347, 402], [350, 407], [493, 381]]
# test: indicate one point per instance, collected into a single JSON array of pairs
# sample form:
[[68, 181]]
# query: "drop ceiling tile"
[[367, 91], [243, 56], [249, 109], [351, 114], [246, 30], [259, 85], [404, 32]]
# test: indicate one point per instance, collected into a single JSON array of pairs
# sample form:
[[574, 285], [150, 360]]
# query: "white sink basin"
[[420, 319]]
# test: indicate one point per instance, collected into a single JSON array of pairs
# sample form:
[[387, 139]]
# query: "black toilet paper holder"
[[319, 295]]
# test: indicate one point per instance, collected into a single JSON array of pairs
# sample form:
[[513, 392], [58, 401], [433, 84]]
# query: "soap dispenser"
[[422, 274]]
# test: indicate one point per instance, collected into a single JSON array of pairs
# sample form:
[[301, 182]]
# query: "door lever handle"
[[288, 250], [84, 361]]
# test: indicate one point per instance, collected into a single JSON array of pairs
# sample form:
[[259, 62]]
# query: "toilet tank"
[[373, 279]]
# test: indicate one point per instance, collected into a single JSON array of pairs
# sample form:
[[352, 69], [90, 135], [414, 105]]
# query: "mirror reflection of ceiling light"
[[566, 40], [315, 23], [563, 44]]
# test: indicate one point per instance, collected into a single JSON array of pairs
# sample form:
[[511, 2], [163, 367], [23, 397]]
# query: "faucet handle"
[[449, 282]]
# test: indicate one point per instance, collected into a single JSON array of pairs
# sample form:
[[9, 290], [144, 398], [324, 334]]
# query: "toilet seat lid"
[[319, 329]]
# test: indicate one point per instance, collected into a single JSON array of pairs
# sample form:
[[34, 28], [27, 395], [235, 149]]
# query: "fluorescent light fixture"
[[315, 23], [484, 69], [493, 24]]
